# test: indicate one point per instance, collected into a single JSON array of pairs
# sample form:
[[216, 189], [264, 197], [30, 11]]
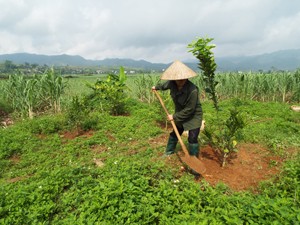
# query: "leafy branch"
[[224, 139], [202, 50]]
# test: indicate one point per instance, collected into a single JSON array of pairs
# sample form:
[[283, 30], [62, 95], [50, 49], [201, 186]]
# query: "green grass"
[[266, 123], [77, 84], [47, 178]]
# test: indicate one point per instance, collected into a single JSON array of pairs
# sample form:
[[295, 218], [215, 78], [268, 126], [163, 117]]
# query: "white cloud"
[[158, 31], [284, 33]]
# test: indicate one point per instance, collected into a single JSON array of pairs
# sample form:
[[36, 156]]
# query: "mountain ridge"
[[280, 60]]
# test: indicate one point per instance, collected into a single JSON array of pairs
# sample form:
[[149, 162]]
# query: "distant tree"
[[34, 65], [27, 65], [9, 66]]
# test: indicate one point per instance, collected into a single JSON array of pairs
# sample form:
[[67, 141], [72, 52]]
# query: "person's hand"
[[153, 88], [170, 117]]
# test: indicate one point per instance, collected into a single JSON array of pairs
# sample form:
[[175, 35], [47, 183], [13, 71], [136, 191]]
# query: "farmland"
[[85, 165]]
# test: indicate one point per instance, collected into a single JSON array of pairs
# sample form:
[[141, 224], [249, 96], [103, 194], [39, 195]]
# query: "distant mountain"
[[130, 63], [281, 60], [69, 60], [59, 60]]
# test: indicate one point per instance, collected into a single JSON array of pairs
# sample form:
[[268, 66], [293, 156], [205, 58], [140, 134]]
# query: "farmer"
[[188, 110]]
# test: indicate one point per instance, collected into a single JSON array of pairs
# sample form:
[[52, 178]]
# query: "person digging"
[[188, 110]]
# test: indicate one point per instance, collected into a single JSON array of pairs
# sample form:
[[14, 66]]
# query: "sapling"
[[224, 140], [202, 50]]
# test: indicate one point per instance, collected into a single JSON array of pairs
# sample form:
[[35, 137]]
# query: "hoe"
[[192, 161]]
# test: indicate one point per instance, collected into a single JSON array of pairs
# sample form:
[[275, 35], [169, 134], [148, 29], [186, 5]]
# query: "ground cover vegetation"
[[97, 160]]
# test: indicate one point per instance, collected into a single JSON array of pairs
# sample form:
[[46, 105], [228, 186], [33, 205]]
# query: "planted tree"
[[223, 139], [202, 50]]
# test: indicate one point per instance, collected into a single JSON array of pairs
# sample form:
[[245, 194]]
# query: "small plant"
[[110, 93], [76, 113], [224, 137]]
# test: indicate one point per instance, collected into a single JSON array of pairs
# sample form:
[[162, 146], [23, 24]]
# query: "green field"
[[107, 169]]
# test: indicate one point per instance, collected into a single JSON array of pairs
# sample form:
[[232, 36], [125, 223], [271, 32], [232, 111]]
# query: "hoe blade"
[[194, 163]]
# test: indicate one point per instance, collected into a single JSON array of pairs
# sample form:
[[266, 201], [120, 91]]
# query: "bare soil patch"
[[5, 119], [15, 159], [70, 135], [251, 165]]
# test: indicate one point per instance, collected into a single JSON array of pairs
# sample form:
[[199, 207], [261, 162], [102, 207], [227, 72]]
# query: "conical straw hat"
[[177, 71]]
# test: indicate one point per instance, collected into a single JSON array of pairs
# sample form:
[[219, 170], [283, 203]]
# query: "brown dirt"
[[5, 120], [252, 164], [15, 159], [69, 135], [2, 113]]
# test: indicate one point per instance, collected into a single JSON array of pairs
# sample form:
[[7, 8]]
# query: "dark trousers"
[[192, 136]]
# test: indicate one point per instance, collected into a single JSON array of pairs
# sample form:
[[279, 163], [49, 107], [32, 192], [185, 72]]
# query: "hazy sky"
[[154, 30]]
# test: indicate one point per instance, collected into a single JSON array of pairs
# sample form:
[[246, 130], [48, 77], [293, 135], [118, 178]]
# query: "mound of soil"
[[250, 165], [244, 171]]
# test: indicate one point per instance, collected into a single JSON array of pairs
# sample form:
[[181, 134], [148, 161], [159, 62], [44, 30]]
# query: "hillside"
[[69, 60], [280, 60]]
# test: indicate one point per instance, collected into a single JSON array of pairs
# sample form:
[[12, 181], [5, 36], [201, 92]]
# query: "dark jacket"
[[188, 110]]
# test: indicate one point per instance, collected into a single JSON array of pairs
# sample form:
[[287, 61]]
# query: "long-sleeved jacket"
[[188, 110]]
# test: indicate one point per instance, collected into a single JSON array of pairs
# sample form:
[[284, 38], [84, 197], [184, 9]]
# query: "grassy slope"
[[49, 179]]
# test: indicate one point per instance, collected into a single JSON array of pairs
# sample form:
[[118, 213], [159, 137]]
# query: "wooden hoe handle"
[[173, 124]]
